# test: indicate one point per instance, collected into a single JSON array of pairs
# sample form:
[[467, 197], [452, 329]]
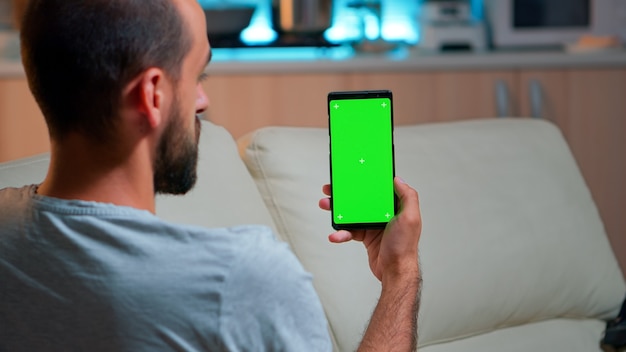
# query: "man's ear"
[[147, 94]]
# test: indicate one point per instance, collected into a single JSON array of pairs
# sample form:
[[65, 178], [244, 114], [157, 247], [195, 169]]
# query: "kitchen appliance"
[[448, 25], [224, 24], [302, 16], [448, 11], [301, 22], [515, 23]]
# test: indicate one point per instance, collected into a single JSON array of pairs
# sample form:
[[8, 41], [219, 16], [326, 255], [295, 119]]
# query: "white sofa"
[[513, 252]]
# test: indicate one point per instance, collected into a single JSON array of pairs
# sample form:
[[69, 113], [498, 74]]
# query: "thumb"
[[407, 195]]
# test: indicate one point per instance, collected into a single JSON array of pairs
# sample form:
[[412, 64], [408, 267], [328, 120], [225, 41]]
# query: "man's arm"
[[393, 259], [394, 322]]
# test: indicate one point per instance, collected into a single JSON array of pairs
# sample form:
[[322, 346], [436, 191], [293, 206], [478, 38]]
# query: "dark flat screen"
[[528, 14]]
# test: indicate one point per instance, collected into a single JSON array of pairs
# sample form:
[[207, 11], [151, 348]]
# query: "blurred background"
[[346, 23]]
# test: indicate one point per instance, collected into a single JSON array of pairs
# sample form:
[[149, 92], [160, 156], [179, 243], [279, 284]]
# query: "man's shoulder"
[[13, 193], [269, 300], [262, 260], [254, 250], [243, 238], [13, 201]]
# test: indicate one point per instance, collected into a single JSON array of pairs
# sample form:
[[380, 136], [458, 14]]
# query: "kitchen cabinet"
[[413, 93], [589, 107], [243, 103], [22, 128], [463, 95]]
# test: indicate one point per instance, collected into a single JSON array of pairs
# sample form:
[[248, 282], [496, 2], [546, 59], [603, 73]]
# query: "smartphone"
[[362, 164]]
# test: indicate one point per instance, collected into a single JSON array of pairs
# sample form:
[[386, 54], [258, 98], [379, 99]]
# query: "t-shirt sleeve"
[[269, 301]]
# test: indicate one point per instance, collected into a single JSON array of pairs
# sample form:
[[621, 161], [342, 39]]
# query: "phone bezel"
[[362, 94]]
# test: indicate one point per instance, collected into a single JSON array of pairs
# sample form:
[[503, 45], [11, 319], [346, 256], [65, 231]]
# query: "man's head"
[[79, 54], [86, 59]]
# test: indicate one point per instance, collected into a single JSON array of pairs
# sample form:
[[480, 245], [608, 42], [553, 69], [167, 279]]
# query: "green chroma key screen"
[[362, 166]]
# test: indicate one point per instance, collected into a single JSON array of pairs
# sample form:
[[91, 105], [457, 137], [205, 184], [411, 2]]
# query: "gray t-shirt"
[[86, 276]]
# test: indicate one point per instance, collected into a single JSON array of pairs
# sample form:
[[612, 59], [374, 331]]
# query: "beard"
[[175, 167]]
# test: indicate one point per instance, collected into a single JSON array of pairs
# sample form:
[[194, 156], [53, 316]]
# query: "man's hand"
[[393, 251], [393, 259]]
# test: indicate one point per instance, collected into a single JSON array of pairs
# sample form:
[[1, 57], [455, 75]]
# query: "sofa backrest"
[[225, 194], [510, 235]]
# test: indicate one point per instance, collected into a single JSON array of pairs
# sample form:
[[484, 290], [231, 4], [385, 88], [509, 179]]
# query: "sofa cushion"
[[554, 335], [225, 194], [24, 171], [510, 232]]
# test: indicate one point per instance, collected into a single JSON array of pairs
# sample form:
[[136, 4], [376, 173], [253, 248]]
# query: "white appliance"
[[516, 23], [448, 25]]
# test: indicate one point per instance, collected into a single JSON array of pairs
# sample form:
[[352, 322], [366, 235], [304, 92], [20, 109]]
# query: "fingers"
[[326, 189], [324, 203], [409, 199], [409, 219], [340, 237], [409, 209], [408, 196]]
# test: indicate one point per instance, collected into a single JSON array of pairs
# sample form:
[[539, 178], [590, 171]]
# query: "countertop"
[[346, 59]]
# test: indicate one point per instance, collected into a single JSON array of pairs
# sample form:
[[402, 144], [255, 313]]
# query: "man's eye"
[[203, 77]]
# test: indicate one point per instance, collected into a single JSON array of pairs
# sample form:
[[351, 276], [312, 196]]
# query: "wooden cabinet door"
[[23, 130], [463, 95], [589, 106], [428, 96], [597, 134], [544, 94], [413, 93], [244, 103]]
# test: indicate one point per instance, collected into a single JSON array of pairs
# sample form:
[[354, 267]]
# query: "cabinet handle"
[[502, 99], [536, 98]]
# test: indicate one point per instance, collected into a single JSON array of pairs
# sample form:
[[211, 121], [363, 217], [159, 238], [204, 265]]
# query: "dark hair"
[[79, 54]]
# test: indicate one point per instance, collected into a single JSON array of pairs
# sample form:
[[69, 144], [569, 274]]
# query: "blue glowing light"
[[260, 30], [398, 19]]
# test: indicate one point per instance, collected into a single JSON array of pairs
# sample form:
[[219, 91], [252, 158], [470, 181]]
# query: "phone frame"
[[362, 94]]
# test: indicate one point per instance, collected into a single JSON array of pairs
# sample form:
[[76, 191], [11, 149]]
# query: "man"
[[85, 265]]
